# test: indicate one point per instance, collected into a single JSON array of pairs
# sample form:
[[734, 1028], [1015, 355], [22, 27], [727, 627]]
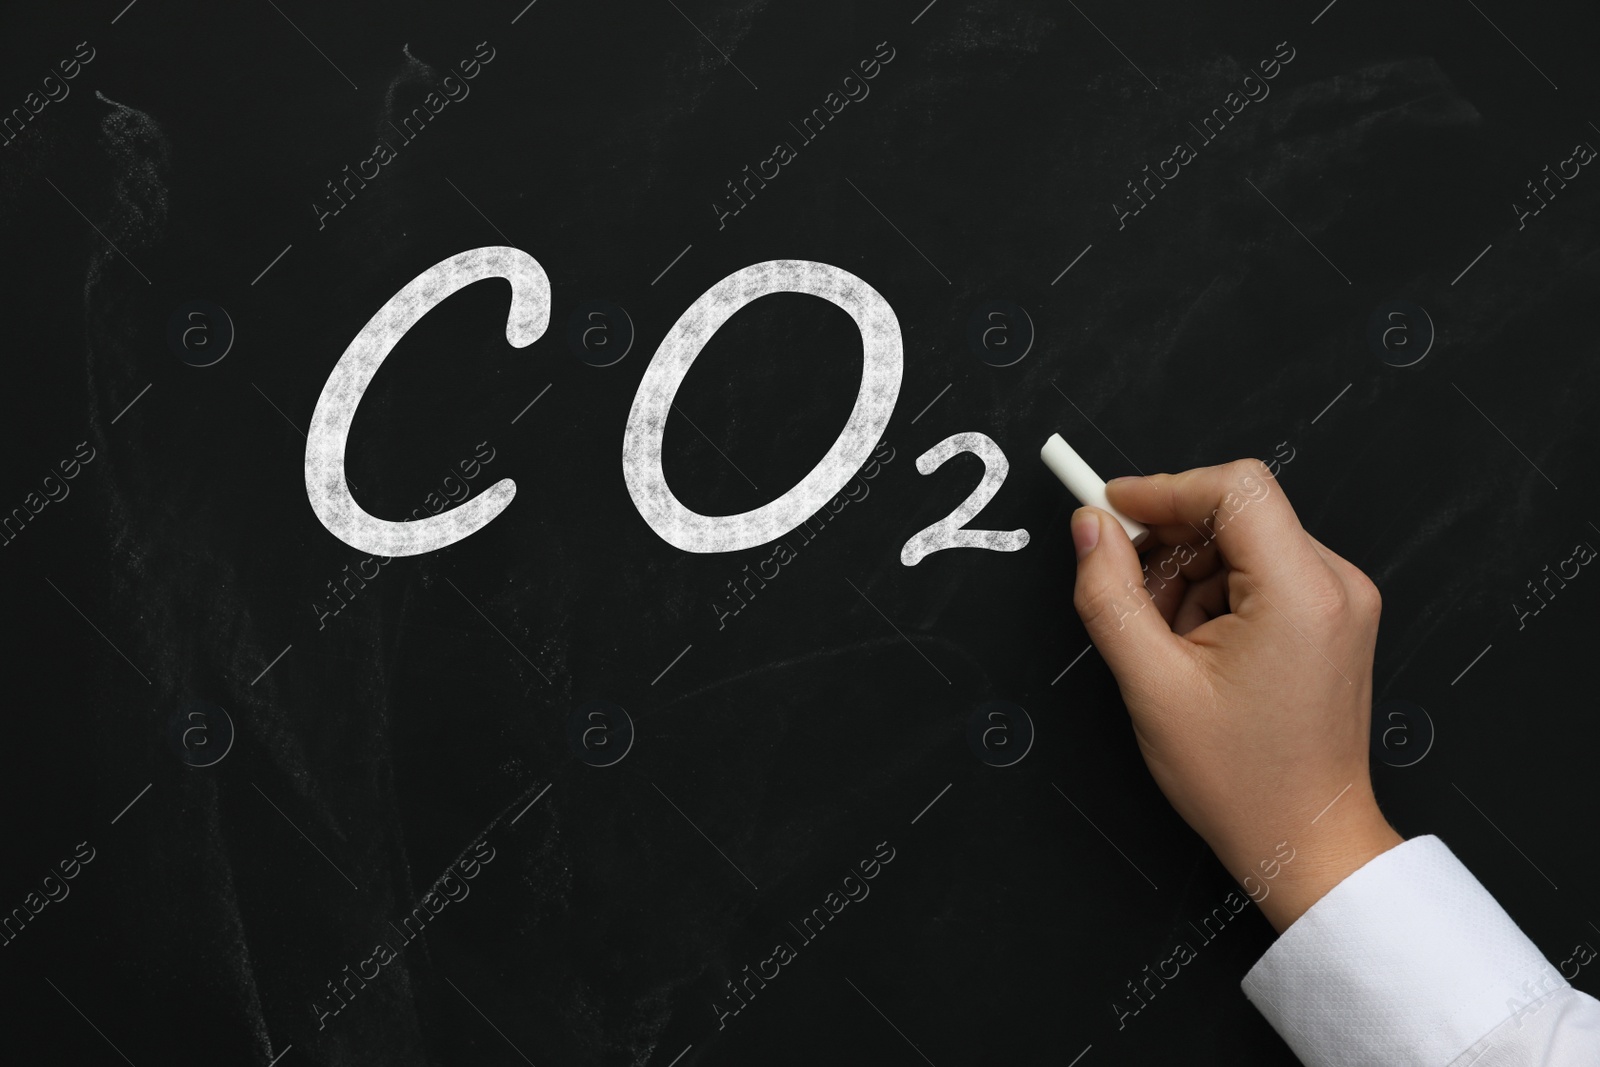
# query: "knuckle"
[[1326, 598], [1102, 608], [1250, 468], [1367, 596], [1253, 479], [1090, 604]]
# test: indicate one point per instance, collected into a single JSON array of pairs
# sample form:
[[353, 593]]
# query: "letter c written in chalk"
[[341, 395]]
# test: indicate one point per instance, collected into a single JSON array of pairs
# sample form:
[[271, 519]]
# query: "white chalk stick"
[[1081, 480]]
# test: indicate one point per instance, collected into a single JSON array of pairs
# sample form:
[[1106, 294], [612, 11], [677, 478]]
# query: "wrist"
[[1290, 875]]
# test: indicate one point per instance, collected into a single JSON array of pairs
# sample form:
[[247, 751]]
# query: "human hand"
[[1243, 650]]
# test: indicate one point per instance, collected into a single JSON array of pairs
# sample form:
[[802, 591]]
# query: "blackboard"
[[580, 783]]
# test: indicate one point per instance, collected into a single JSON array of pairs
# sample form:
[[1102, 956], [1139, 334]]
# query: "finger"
[[1167, 593], [1193, 560], [1171, 569], [1202, 602], [1110, 598], [1254, 525], [1175, 533]]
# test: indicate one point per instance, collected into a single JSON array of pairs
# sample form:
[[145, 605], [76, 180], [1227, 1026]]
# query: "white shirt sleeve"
[[1409, 962]]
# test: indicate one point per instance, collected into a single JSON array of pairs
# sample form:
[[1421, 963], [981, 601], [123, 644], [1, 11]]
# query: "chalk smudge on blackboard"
[[141, 157]]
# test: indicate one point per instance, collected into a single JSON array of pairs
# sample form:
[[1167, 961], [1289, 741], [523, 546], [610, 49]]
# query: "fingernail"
[[1085, 531], [1121, 478]]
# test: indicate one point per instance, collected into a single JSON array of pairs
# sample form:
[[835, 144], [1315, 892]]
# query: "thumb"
[[1111, 598]]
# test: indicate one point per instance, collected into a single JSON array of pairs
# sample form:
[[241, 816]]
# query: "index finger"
[[1237, 504]]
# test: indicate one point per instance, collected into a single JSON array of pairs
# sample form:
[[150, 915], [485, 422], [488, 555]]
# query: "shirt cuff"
[[1407, 961]]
